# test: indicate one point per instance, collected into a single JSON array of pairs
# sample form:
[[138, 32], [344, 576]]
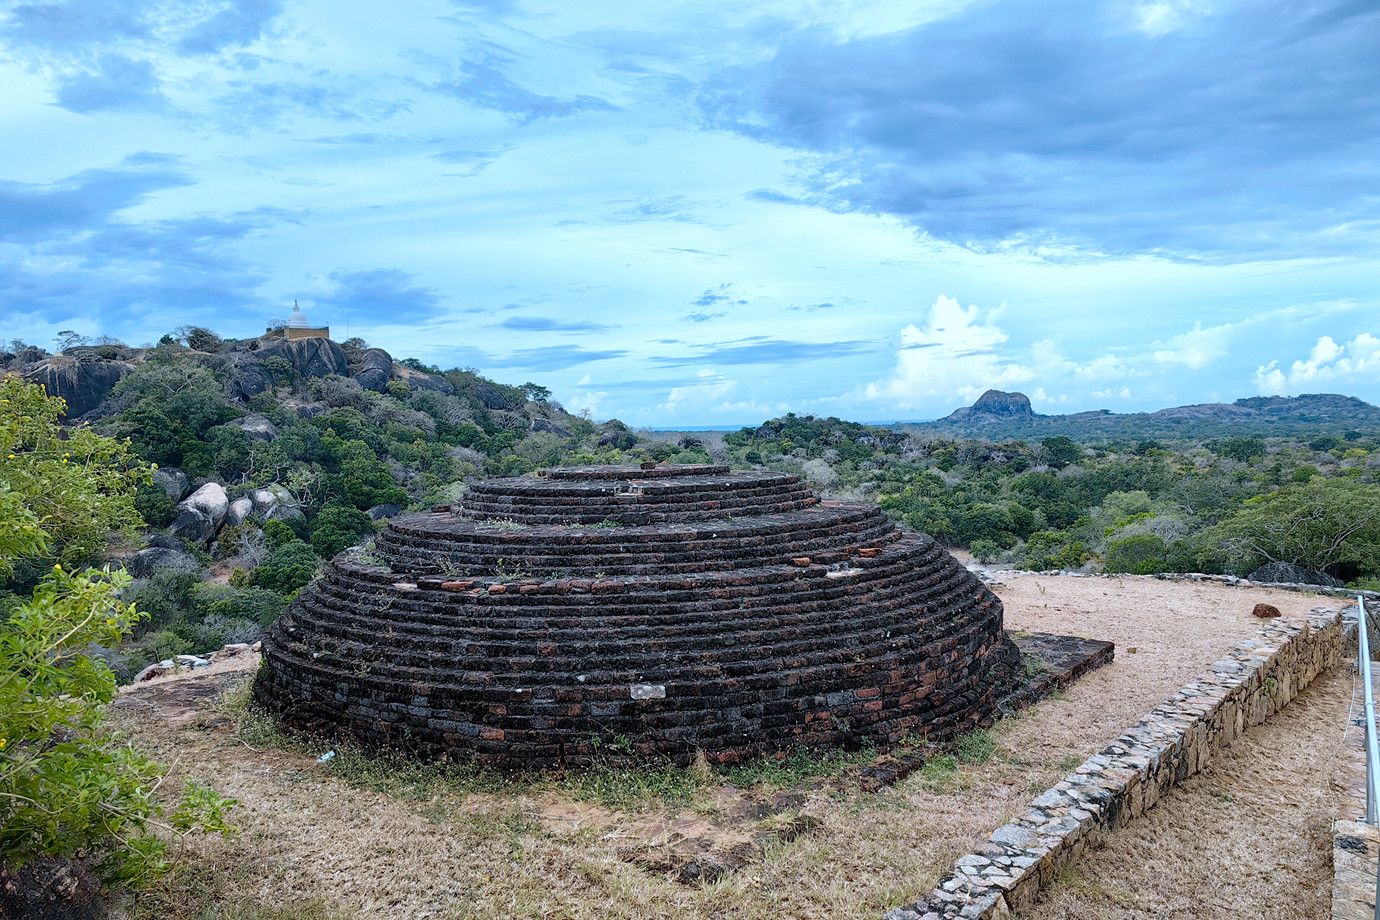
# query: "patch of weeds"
[[1222, 796], [939, 774], [1069, 762], [220, 891], [975, 747], [604, 524], [796, 767], [1076, 881], [509, 828], [633, 787], [1034, 665]]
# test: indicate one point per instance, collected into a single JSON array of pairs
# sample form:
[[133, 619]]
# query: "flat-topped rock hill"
[[685, 608], [997, 414]]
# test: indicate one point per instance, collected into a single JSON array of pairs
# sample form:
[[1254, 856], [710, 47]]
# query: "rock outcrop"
[[256, 426], [239, 509], [376, 369], [686, 608], [994, 406], [1284, 573], [148, 562], [172, 481], [201, 514], [84, 383]]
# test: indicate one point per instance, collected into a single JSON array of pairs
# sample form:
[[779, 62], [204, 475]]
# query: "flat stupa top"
[[685, 608]]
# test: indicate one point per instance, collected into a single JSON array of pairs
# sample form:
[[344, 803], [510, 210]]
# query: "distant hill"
[[1008, 415]]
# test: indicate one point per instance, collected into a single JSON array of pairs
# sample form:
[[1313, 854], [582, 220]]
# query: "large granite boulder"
[[545, 424], [248, 377], [240, 509], [256, 426], [309, 357], [201, 514], [270, 498], [1284, 573], [383, 512], [420, 381], [149, 562], [489, 397], [376, 368], [173, 481], [84, 384]]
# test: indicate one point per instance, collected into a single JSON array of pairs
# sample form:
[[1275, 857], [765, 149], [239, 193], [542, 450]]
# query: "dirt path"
[[312, 843], [1249, 837]]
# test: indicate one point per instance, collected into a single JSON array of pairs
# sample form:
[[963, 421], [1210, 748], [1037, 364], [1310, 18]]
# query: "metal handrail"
[[1372, 743]]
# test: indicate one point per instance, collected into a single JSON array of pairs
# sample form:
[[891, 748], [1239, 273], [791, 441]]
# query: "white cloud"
[[951, 354], [1356, 361], [1196, 348]]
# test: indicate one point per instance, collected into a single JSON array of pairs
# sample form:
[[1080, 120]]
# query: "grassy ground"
[[362, 837]]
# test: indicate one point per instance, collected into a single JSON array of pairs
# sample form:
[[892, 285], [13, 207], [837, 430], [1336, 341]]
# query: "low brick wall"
[[1257, 679]]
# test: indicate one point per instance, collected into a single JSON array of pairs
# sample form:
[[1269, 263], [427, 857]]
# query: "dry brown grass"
[[1249, 837], [313, 843]]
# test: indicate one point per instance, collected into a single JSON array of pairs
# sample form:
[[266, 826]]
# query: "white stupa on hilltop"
[[297, 327]]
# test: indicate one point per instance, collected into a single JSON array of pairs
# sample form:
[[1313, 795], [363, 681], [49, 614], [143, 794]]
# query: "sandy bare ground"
[[312, 844], [1249, 837]]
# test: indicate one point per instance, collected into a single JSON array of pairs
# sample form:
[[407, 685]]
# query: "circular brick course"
[[532, 638]]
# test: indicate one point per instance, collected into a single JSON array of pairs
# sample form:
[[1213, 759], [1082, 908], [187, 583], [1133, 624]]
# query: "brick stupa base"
[[684, 608]]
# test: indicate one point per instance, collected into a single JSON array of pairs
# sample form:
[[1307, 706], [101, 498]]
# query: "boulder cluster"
[[656, 612]]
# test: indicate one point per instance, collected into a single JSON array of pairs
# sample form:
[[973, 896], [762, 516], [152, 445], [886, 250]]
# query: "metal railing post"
[[1372, 745]]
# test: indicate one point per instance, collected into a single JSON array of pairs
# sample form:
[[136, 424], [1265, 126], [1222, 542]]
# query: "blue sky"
[[699, 213]]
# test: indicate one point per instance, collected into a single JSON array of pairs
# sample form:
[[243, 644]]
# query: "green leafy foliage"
[[337, 527], [66, 787], [66, 489], [1327, 525], [288, 568]]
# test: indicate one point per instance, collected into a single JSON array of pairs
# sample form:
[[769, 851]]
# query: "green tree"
[[338, 527], [1140, 554], [75, 485], [1327, 525], [66, 787], [1242, 449], [288, 567], [1060, 451]]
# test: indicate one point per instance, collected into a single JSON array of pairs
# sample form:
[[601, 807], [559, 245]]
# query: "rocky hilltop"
[[85, 376], [992, 407], [999, 414]]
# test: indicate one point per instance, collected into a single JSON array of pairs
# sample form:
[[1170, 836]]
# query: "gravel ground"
[[311, 842]]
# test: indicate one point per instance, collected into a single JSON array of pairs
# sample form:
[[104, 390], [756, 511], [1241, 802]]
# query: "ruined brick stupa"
[[684, 608]]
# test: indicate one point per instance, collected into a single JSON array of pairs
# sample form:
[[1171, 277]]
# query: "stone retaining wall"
[[1355, 844], [1175, 740]]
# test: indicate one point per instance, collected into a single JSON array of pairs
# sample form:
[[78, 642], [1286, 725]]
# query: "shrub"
[[288, 568], [985, 551], [1141, 554]]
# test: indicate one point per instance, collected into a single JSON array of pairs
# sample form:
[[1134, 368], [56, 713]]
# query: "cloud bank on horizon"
[[696, 213]]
